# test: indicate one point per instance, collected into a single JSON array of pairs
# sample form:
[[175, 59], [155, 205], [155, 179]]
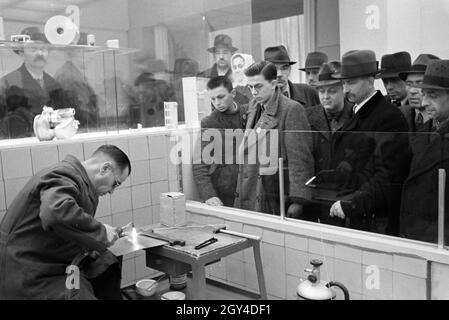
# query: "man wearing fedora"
[[419, 206], [370, 156], [325, 119], [392, 65], [314, 61], [302, 93], [222, 51], [286, 121], [415, 114], [30, 85]]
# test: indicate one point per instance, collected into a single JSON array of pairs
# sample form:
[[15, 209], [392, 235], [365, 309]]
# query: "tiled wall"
[[285, 256], [137, 199]]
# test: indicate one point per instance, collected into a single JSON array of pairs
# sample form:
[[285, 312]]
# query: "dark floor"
[[215, 291]]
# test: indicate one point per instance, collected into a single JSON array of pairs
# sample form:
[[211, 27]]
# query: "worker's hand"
[[294, 210], [111, 233], [214, 202], [337, 211]]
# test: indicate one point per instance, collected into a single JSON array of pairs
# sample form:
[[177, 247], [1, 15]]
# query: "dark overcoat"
[[49, 224], [371, 156]]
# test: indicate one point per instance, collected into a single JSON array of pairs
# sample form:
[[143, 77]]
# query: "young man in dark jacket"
[[217, 181]]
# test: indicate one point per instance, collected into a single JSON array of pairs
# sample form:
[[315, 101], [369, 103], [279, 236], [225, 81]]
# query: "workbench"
[[178, 260]]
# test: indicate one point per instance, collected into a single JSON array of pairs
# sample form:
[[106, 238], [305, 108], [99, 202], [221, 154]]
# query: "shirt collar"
[[359, 106]]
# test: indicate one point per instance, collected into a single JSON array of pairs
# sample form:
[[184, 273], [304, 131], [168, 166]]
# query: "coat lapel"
[[317, 120]]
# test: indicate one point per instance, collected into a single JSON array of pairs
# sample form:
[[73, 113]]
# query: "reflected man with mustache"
[[26, 90]]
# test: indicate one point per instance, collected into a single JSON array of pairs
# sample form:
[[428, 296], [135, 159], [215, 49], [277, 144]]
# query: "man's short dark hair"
[[220, 81], [265, 68], [119, 157]]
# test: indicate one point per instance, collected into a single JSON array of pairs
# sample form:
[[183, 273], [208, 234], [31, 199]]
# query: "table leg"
[[199, 282], [259, 269]]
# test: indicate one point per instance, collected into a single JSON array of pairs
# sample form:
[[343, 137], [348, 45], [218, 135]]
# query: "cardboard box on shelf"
[[173, 209]]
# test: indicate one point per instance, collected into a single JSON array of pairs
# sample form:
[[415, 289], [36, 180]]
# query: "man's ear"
[[233, 92]]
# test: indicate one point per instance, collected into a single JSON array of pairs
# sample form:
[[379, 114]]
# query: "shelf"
[[84, 48]]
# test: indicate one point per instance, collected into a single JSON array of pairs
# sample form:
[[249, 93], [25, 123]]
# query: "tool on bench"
[[206, 243], [222, 229], [171, 242]]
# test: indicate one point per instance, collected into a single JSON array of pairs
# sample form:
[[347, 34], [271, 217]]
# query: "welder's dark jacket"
[[49, 224]]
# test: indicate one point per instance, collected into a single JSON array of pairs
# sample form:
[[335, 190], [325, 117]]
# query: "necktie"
[[419, 122], [41, 82], [396, 103]]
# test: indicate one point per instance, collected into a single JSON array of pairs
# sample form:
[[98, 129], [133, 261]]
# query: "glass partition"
[[378, 182]]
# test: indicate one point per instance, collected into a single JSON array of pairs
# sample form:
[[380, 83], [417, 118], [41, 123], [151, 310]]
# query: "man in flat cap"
[[314, 61], [26, 90], [419, 206], [369, 155], [302, 93], [222, 51], [392, 65]]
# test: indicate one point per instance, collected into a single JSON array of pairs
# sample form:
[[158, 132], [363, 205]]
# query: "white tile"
[[158, 146], [321, 248], [273, 237], [234, 226], [252, 230], [218, 269], [1, 168], [379, 259], [12, 188], [409, 265], [142, 217], [273, 257], [173, 186], [155, 214], [172, 170], [292, 286], [121, 200], [122, 219], [440, 281], [215, 221], [296, 242], [235, 271], [295, 262], [355, 296], [16, 163], [142, 271], [105, 220], [74, 149], [407, 287], [104, 206], [377, 283], [349, 274], [248, 255], [276, 284], [141, 196], [44, 157], [348, 253], [156, 189], [158, 170], [138, 148], [198, 218], [2, 196], [251, 280], [128, 272], [121, 143], [140, 172], [91, 146]]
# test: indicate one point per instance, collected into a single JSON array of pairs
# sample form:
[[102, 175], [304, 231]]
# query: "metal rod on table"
[[281, 188], [441, 200]]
